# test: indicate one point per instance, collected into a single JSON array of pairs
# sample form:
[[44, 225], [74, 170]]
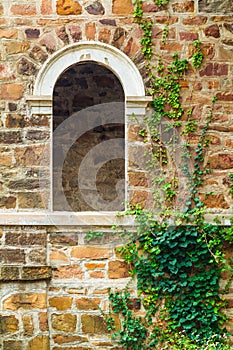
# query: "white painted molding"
[[109, 56]]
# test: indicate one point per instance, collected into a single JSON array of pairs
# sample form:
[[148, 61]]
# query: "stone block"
[[12, 345], [118, 269], [214, 69], [90, 31], [64, 339], [95, 324], [25, 301], [28, 325], [34, 273], [40, 342], [8, 324], [8, 33], [11, 91], [23, 9], [17, 47], [43, 321], [68, 7], [9, 273], [122, 7], [221, 161], [64, 322], [46, 7], [90, 252], [87, 304], [96, 8], [185, 6], [61, 303], [69, 272]]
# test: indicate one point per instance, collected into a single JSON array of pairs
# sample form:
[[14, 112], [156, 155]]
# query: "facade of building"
[[74, 70]]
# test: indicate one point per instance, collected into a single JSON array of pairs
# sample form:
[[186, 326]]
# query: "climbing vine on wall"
[[177, 266]]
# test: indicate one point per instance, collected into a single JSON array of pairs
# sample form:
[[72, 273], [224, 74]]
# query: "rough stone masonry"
[[52, 280]]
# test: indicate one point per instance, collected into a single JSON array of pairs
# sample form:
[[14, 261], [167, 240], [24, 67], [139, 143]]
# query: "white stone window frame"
[[41, 103]]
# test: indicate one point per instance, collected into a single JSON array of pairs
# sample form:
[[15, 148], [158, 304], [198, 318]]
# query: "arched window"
[[88, 157]]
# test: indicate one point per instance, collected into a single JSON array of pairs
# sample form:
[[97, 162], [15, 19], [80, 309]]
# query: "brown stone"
[[134, 133], [30, 200], [68, 7], [118, 269], [23, 9], [8, 33], [34, 273], [72, 348], [90, 252], [96, 324], [12, 345], [215, 6], [61, 33], [104, 35], [31, 155], [64, 322], [25, 301], [12, 255], [195, 20], [221, 161], [108, 22], [92, 266], [46, 7], [138, 179], [213, 31], [38, 54], [61, 303], [11, 91], [75, 32], [70, 239], [7, 202], [28, 326], [25, 67], [171, 46], [96, 274], [58, 257], [225, 96], [185, 6], [38, 256], [122, 7], [87, 304], [90, 31], [8, 324], [214, 201], [32, 33], [152, 8], [49, 42], [141, 198], [68, 272], [43, 321], [64, 339], [189, 36], [96, 8], [9, 273], [214, 69], [40, 342], [1, 10], [5, 159]]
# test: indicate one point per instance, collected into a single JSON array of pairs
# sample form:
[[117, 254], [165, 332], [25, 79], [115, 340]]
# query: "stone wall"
[[52, 279]]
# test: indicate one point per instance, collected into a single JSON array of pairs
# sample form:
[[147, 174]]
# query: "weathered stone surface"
[[185, 6], [28, 325], [32, 33], [213, 31], [87, 304], [7, 202], [5, 159], [11, 91], [96, 8], [64, 339], [58, 257], [96, 324], [12, 345], [214, 6], [138, 179], [224, 96], [90, 31], [109, 22], [43, 321], [38, 54], [122, 7], [30, 200], [64, 322], [214, 201], [75, 32], [61, 33], [9, 273], [68, 272], [119, 37], [70, 239], [61, 303], [152, 8], [8, 33], [189, 36], [90, 252], [49, 41], [23, 9], [104, 35], [25, 301], [8, 324], [68, 7], [17, 47], [40, 342], [214, 69], [46, 7], [31, 155], [118, 269], [221, 161], [34, 273]]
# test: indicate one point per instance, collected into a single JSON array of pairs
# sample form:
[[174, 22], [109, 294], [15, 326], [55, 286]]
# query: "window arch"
[[118, 64]]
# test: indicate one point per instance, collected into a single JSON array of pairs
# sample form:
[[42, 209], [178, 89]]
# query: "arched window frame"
[[41, 103]]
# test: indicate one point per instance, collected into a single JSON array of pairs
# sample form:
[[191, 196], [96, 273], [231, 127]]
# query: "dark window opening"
[[97, 154]]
